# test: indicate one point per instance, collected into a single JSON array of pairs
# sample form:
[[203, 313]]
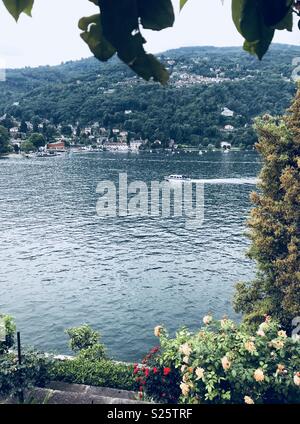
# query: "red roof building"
[[58, 146]]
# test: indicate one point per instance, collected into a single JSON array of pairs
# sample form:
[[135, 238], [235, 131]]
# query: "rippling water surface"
[[61, 265]]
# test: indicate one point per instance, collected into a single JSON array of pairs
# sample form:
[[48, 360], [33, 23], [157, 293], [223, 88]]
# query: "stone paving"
[[64, 393]]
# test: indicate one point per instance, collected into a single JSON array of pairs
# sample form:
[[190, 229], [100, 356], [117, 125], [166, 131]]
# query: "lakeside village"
[[44, 139]]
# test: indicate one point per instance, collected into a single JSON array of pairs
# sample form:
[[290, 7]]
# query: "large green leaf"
[[156, 14], [182, 3], [93, 35], [274, 11], [120, 23], [261, 46], [147, 66], [286, 22], [249, 20], [16, 7], [237, 11]]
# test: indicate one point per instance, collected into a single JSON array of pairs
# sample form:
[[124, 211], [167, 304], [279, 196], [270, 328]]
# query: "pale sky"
[[51, 36]]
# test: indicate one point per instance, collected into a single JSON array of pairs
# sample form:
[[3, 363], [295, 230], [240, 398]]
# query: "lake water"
[[62, 265]]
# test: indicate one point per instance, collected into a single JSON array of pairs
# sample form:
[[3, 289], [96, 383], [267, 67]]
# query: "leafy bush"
[[103, 372], [160, 383], [274, 223], [15, 378], [91, 365], [226, 363], [9, 330], [84, 338]]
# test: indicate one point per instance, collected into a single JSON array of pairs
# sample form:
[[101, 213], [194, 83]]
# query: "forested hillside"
[[204, 81]]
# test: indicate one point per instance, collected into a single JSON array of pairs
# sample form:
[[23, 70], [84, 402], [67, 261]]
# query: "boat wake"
[[241, 181]]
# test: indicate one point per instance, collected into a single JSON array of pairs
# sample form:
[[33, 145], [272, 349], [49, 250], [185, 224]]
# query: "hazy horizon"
[[52, 36], [157, 54]]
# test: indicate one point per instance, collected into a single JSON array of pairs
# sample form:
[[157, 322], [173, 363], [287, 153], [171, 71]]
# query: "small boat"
[[46, 154], [175, 178], [29, 155]]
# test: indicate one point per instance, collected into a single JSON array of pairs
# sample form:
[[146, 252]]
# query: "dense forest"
[[204, 81]]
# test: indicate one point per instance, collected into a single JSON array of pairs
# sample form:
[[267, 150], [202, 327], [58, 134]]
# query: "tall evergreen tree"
[[275, 223], [4, 139], [23, 127]]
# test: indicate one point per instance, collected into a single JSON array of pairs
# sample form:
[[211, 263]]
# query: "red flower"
[[141, 395], [167, 371], [135, 371], [155, 370], [147, 372], [141, 388]]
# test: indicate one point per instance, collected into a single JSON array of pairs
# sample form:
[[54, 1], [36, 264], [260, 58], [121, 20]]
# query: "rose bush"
[[224, 363], [156, 382]]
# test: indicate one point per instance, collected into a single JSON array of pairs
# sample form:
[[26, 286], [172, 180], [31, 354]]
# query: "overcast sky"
[[51, 36]]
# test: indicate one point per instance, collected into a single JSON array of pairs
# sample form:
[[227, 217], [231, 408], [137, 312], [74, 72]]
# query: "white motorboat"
[[175, 178]]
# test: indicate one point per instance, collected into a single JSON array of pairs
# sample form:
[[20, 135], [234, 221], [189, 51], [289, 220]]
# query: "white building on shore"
[[227, 112], [135, 145], [115, 146]]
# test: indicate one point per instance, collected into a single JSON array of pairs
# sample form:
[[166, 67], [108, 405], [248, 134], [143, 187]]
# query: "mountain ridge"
[[204, 80]]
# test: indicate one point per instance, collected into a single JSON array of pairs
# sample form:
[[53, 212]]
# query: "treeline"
[[188, 110]]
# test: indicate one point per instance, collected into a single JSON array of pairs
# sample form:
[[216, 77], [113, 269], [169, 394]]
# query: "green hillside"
[[204, 81]]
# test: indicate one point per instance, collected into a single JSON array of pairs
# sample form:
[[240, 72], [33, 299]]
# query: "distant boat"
[[175, 178], [29, 155], [200, 153], [47, 154]]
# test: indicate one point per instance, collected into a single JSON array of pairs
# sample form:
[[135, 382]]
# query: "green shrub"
[[91, 365], [93, 353], [226, 363], [8, 328], [274, 223], [84, 338], [103, 372], [15, 378]]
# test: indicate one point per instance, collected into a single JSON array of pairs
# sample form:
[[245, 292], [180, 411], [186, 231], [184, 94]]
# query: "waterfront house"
[[228, 128], [115, 146], [227, 112], [58, 146], [14, 131], [135, 145]]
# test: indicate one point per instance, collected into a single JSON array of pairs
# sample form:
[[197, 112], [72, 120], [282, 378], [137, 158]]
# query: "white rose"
[[185, 389], [186, 359], [207, 319], [199, 373], [261, 333], [157, 330], [297, 379], [183, 368], [226, 364], [185, 349], [259, 375], [248, 400]]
